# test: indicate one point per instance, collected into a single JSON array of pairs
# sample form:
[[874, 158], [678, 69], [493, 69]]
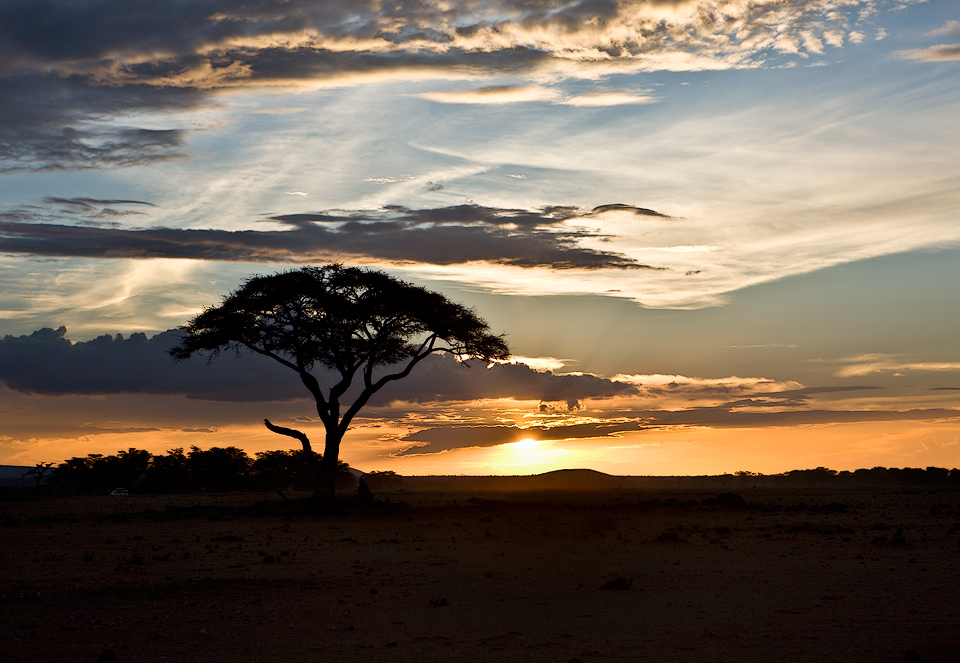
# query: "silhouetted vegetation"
[[218, 469], [893, 476], [221, 469], [38, 472]]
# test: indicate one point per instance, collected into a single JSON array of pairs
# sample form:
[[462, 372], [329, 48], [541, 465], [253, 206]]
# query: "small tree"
[[367, 327], [38, 472]]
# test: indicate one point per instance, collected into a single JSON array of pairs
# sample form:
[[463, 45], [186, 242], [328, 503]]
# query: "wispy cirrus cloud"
[[868, 364], [512, 94], [500, 94], [938, 52]]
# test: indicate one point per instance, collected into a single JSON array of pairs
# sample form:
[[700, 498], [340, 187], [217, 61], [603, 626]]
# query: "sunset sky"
[[719, 235]]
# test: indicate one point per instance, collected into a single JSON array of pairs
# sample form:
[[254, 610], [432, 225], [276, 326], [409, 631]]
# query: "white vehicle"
[[121, 492]]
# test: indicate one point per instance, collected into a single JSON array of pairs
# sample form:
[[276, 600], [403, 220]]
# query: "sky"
[[719, 235]]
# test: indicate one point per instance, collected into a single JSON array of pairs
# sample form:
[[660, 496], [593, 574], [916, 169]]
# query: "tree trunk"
[[326, 497]]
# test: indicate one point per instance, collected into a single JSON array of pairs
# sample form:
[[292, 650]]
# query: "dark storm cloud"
[[45, 362], [442, 236]]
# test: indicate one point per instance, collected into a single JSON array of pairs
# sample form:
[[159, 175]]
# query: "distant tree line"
[[218, 469], [876, 476]]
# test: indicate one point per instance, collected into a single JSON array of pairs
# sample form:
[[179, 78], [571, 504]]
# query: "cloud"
[[222, 42], [93, 203], [438, 236], [447, 438], [383, 180], [51, 123], [725, 417], [659, 384], [94, 209], [938, 53], [540, 363], [868, 364], [441, 380], [512, 94], [788, 408], [76, 77], [949, 29], [499, 94], [285, 110], [610, 98], [46, 362]]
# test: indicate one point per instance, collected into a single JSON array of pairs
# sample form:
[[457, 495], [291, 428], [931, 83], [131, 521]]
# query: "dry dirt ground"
[[791, 575]]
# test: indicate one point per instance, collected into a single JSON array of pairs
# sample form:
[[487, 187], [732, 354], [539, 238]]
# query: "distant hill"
[[13, 471], [576, 473], [576, 479], [11, 476]]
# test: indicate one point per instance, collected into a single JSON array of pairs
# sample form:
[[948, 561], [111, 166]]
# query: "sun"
[[532, 455], [526, 444]]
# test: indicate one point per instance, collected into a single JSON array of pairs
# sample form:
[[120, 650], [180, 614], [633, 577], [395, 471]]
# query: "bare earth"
[[792, 575]]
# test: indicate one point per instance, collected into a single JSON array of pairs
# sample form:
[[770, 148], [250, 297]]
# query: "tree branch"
[[323, 406], [272, 355], [372, 388], [289, 432]]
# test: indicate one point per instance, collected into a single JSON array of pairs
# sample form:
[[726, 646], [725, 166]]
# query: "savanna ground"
[[791, 575]]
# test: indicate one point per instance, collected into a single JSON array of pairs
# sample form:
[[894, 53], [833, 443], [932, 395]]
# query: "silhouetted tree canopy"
[[366, 326], [216, 469]]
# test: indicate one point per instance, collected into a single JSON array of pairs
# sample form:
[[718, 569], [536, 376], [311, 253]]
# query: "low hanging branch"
[[308, 455], [290, 432]]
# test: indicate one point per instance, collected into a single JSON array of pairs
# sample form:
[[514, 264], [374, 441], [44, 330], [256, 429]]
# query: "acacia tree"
[[367, 327]]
